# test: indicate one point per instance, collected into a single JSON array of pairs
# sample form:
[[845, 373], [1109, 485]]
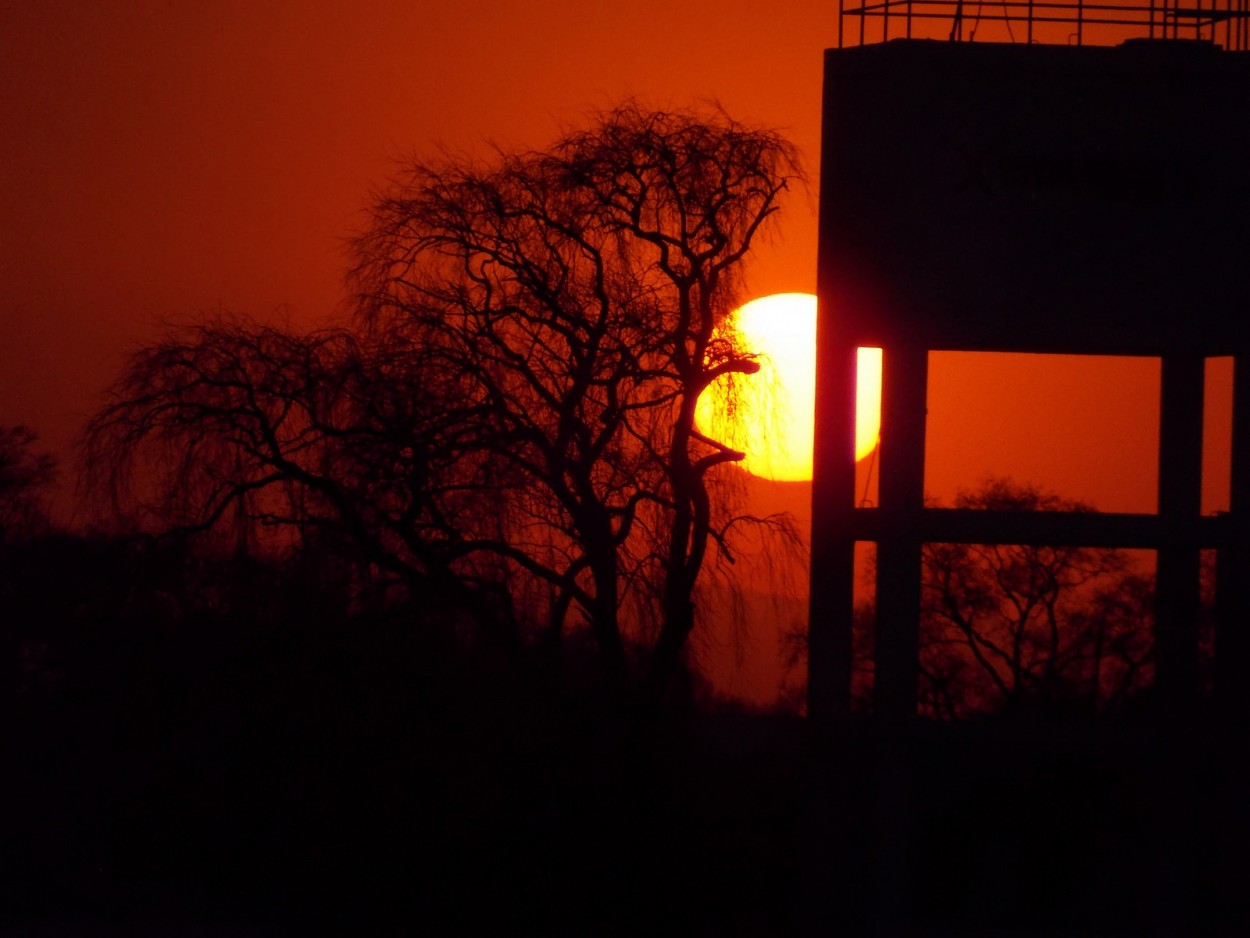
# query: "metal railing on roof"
[[1225, 23]]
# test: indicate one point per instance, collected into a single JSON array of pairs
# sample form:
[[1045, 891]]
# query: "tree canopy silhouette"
[[1017, 627], [512, 420]]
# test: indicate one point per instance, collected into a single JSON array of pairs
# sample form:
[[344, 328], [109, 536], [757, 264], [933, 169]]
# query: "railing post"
[[1162, 19]]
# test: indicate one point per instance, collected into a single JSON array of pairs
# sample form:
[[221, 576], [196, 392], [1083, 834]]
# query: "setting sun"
[[769, 415]]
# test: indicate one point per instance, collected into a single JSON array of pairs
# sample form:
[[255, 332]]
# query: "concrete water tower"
[[1077, 185], [1080, 185]]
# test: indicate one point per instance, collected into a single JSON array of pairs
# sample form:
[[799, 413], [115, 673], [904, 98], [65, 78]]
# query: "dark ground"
[[263, 774]]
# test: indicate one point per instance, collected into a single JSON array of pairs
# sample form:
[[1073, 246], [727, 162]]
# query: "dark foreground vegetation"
[[265, 757], [387, 627], [226, 743]]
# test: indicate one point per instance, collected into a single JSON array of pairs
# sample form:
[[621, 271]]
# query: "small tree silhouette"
[[1015, 628], [24, 477], [1008, 628], [282, 441]]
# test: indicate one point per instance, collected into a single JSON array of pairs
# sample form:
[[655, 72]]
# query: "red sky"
[[163, 160], [160, 160]]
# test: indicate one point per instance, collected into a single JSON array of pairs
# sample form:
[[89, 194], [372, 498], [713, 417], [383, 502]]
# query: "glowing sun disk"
[[769, 415]]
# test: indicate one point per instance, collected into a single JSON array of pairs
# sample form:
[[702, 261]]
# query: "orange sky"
[[164, 160], [159, 160], [180, 158]]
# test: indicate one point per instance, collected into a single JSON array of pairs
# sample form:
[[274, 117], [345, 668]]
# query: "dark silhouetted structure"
[[1030, 197]]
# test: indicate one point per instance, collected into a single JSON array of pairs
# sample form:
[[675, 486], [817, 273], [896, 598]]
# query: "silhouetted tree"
[[24, 478], [296, 439], [1016, 627], [584, 291], [513, 427]]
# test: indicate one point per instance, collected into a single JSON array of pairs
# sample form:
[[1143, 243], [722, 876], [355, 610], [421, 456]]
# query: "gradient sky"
[[162, 160]]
